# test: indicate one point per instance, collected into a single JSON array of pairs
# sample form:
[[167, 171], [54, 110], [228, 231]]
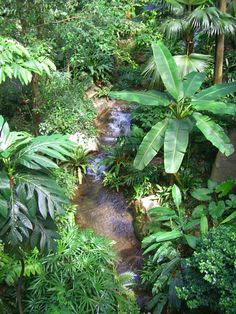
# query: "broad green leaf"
[[190, 224], [214, 133], [176, 194], [204, 225], [192, 82], [48, 195], [198, 211], [211, 184], [191, 240], [175, 144], [168, 235], [149, 98], [150, 145], [161, 211], [229, 218], [225, 187], [216, 210], [42, 149], [3, 207], [216, 107], [151, 248], [216, 92], [167, 68], [194, 62], [202, 194]]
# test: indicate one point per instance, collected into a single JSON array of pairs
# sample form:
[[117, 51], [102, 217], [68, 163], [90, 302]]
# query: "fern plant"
[[80, 278]]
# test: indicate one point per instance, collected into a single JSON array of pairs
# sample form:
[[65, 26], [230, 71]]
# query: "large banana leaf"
[[193, 62], [214, 133], [215, 92], [215, 107], [192, 82], [167, 68], [150, 145], [175, 144], [37, 154], [149, 98]]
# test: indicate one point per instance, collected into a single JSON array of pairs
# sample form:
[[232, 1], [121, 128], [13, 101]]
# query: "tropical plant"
[[168, 224], [77, 164], [29, 196], [172, 235], [80, 278], [64, 107], [209, 278], [185, 20], [215, 209], [16, 62], [183, 112], [162, 274]]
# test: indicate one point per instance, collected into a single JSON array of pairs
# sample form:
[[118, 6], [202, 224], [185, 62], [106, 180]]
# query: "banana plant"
[[29, 196], [185, 108]]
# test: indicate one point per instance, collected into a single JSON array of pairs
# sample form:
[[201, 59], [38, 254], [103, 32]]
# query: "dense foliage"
[[212, 267], [60, 63]]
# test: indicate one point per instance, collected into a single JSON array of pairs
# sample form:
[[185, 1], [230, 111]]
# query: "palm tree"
[[184, 105], [186, 19]]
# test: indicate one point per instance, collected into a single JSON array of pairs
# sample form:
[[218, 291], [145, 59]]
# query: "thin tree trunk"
[[219, 54], [19, 287], [36, 102]]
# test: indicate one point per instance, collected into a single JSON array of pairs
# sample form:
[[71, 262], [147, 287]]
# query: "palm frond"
[[173, 28], [194, 62], [212, 21]]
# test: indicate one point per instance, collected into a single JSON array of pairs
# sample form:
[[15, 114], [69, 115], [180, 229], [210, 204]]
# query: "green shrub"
[[80, 278], [145, 118], [210, 279], [64, 108]]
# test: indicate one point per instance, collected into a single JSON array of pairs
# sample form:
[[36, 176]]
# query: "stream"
[[103, 209]]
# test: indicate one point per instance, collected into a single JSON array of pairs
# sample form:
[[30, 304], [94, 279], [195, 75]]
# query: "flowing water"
[[103, 209]]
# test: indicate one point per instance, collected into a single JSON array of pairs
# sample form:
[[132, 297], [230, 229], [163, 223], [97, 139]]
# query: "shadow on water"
[[105, 210]]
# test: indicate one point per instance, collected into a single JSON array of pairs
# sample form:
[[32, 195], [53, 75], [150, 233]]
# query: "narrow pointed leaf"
[[204, 225], [176, 194], [168, 235], [215, 107], [215, 92], [150, 145], [214, 133], [175, 144], [149, 98], [191, 240], [229, 218], [192, 83], [167, 68]]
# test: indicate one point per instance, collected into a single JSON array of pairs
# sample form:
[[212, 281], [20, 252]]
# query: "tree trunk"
[[219, 54], [36, 102], [19, 287]]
